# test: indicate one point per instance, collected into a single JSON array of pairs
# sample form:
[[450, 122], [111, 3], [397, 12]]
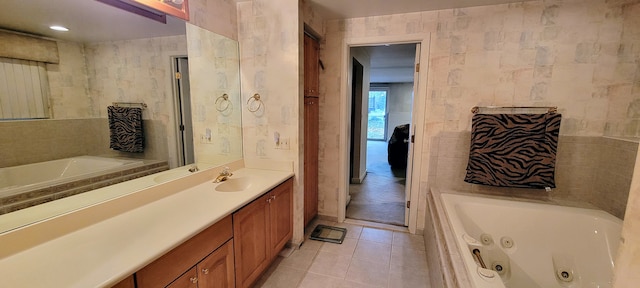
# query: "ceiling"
[[87, 20], [392, 63], [342, 9]]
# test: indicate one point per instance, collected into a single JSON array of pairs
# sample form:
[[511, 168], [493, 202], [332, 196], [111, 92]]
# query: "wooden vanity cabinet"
[[233, 252], [261, 229], [215, 271], [209, 249]]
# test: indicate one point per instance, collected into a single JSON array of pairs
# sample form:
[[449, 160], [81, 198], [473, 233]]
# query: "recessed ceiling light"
[[59, 28]]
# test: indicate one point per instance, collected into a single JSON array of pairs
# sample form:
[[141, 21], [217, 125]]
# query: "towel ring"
[[253, 101], [222, 99]]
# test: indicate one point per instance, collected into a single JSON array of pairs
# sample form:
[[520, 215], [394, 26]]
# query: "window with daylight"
[[377, 114], [24, 89]]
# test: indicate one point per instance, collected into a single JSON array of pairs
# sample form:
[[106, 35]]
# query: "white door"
[[412, 133]]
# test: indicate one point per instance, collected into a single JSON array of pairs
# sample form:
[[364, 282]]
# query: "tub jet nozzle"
[[476, 253]]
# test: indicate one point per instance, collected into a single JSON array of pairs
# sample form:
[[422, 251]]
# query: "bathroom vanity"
[[253, 235], [187, 232]]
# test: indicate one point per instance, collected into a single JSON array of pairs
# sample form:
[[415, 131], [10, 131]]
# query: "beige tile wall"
[[627, 264], [43, 140], [613, 174], [595, 170]]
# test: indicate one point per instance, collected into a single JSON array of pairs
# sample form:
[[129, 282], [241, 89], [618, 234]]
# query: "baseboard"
[[360, 179], [327, 218]]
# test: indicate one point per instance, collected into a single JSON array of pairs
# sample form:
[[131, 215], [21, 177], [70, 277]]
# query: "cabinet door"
[[281, 214], [217, 270], [251, 228], [187, 280], [311, 72], [311, 114]]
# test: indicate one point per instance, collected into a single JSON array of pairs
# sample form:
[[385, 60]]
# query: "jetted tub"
[[525, 244], [31, 184]]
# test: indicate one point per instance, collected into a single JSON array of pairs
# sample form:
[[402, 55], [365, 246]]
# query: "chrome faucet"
[[224, 175], [193, 168]]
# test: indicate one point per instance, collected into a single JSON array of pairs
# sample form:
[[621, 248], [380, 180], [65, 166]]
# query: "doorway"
[[380, 194], [182, 100]]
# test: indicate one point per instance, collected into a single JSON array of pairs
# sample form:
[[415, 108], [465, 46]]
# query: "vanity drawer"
[[177, 261]]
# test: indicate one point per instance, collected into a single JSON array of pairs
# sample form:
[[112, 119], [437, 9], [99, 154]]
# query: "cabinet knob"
[[193, 279], [205, 271], [269, 200], [273, 197]]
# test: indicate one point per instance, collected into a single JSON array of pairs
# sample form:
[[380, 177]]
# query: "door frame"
[[179, 111], [418, 111]]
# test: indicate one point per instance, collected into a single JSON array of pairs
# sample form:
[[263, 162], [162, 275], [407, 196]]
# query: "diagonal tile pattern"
[[368, 257]]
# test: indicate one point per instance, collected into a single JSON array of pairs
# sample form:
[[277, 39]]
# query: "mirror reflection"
[[175, 73]]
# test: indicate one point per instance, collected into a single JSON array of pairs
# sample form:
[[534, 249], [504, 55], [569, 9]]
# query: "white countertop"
[[101, 253]]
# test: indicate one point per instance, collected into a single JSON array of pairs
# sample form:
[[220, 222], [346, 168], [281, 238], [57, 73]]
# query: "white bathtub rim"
[[459, 259], [470, 271]]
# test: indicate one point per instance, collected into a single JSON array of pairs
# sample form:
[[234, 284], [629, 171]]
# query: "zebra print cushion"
[[125, 125], [513, 150]]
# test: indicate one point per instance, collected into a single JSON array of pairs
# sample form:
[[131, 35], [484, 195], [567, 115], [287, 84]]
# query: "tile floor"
[[368, 257]]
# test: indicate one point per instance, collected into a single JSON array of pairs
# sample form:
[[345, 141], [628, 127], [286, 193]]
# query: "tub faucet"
[[224, 175], [193, 168]]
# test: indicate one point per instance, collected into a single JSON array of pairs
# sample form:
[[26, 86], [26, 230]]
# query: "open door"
[[355, 171], [183, 112], [412, 133]]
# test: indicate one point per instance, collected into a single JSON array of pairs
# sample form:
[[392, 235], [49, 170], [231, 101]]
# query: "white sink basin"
[[234, 184]]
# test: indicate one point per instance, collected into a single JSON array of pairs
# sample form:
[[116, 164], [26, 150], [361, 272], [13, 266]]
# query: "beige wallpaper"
[[270, 35], [214, 71], [137, 71], [69, 83]]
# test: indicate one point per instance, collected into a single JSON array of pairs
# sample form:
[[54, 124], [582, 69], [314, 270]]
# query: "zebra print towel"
[[125, 126], [513, 150]]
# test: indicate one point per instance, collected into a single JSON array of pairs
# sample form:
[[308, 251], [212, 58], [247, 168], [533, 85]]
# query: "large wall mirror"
[[185, 79]]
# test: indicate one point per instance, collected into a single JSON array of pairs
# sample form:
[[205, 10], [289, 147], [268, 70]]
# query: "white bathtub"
[[18, 179], [534, 245], [32, 184]]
